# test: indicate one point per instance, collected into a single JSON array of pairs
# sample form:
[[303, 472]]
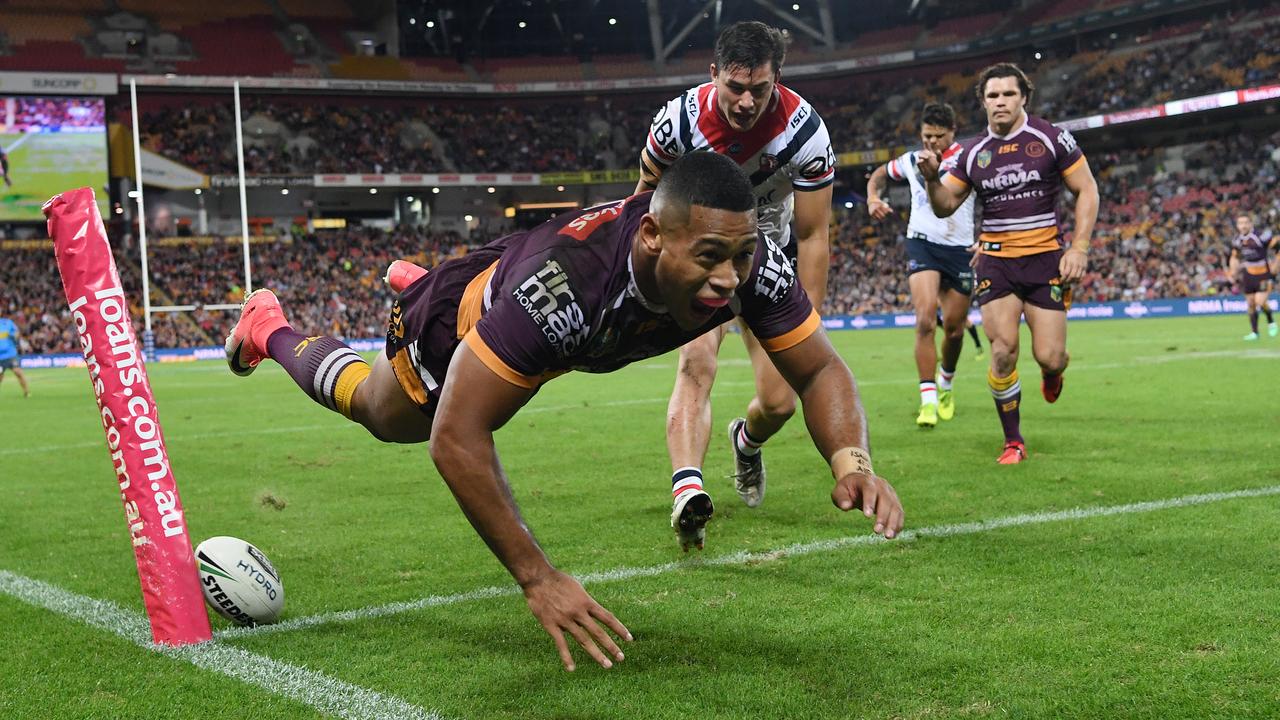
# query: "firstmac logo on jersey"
[[775, 275], [549, 300]]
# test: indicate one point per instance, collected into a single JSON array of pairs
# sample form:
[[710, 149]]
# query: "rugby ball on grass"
[[238, 581]]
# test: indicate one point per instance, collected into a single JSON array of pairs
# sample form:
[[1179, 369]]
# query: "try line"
[[325, 694], [743, 558]]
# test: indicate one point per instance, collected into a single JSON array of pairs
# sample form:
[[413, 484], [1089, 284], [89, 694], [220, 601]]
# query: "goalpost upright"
[[148, 336]]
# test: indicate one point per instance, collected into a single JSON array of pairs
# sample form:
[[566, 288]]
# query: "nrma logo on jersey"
[[549, 300], [1005, 181]]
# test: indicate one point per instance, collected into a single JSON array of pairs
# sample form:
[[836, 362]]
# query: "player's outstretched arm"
[[813, 244], [838, 426], [943, 198], [1084, 187], [876, 185], [473, 404], [650, 172]]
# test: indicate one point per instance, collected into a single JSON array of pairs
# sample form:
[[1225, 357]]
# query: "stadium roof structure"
[[655, 29]]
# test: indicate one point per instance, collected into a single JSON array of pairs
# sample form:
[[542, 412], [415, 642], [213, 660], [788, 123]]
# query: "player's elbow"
[[450, 445], [942, 208]]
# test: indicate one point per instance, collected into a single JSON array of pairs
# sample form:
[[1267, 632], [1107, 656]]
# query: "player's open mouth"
[[709, 305]]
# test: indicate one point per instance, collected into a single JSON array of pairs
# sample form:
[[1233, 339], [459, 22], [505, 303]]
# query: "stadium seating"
[[964, 29], [861, 111], [1160, 233]]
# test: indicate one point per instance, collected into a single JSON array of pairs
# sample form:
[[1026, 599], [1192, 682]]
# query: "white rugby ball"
[[238, 581]]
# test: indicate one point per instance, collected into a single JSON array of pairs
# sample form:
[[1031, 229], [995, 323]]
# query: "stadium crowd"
[[1161, 232], [606, 133], [287, 139], [1164, 231]]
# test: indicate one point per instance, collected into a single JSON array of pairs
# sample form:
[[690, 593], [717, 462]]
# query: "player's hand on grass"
[[874, 496], [927, 163], [1072, 265], [562, 606], [879, 209]]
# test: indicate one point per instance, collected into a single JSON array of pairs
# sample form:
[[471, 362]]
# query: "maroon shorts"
[[423, 330], [1251, 283], [1033, 279]]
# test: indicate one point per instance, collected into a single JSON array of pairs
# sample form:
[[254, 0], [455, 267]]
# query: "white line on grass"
[[17, 143], [1146, 360], [171, 440], [744, 557], [316, 690]]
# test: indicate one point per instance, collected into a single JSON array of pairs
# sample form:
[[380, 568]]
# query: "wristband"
[[850, 460]]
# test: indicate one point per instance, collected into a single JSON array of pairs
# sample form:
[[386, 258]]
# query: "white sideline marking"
[[744, 557], [343, 425], [1150, 359], [17, 143], [1258, 354], [319, 691]]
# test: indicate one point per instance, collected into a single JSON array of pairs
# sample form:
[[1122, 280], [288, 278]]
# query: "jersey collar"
[[633, 290], [1014, 131]]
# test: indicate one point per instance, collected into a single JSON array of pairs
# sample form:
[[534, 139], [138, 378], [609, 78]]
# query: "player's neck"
[[1015, 126], [643, 272]]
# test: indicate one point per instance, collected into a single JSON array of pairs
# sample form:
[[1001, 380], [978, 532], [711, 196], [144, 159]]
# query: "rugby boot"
[[1052, 389], [246, 346], [1251, 337], [749, 478], [401, 274], [1273, 329], [946, 404], [928, 416], [690, 512], [1015, 451]]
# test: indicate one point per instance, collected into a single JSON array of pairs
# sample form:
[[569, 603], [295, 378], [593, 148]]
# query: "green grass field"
[[1164, 611], [42, 166]]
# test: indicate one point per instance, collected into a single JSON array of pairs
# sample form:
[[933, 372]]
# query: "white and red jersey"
[[956, 230], [787, 150]]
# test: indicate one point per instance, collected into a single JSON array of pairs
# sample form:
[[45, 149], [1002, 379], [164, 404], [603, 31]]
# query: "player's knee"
[[1053, 362], [926, 325], [1003, 359], [779, 408]]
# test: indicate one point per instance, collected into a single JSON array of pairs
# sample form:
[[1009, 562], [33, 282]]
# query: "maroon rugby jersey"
[[562, 297], [1253, 254], [1017, 178]]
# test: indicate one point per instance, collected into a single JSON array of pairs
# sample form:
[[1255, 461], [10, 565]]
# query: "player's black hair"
[[706, 179], [1000, 70], [940, 114], [750, 44]]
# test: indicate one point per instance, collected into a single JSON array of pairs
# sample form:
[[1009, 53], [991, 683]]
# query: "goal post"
[[127, 410]]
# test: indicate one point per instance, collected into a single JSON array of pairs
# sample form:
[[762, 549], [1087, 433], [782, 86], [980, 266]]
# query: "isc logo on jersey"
[[549, 300]]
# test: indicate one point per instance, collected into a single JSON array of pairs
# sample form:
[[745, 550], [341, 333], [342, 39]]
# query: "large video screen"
[[50, 144]]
